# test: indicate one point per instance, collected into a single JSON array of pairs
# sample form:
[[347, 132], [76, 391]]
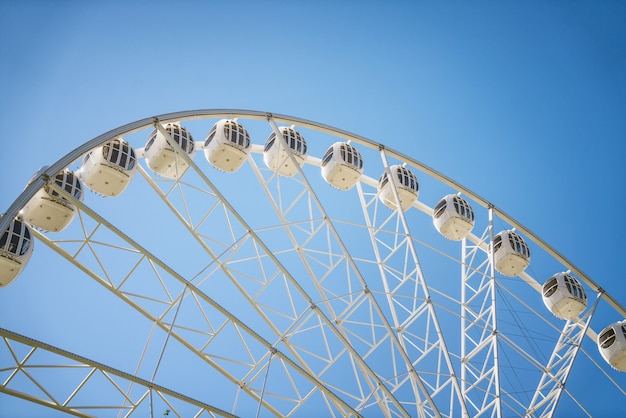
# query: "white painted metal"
[[479, 329], [374, 345], [252, 340], [18, 366], [556, 372]]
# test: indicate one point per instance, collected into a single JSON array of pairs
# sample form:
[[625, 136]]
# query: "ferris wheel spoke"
[[89, 376], [194, 338], [411, 316], [271, 288], [378, 390], [294, 295], [480, 366], [558, 368], [207, 347], [313, 210], [401, 275]]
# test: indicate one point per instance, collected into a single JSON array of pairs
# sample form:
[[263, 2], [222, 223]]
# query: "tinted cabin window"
[[69, 183], [440, 208], [463, 208], [26, 240], [303, 146], [357, 156], [518, 245], [407, 178], [3, 239], [175, 135], [607, 338], [115, 153], [181, 137], [19, 242], [383, 180], [16, 236], [327, 156], [550, 287], [119, 153], [11, 244], [497, 243], [236, 134], [230, 132], [351, 156], [132, 157], [295, 141], [574, 288], [212, 133], [150, 141]]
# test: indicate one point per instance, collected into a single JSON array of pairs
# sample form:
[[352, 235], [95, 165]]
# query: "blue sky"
[[522, 102]]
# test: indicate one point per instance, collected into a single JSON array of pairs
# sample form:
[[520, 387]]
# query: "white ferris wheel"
[[255, 264]]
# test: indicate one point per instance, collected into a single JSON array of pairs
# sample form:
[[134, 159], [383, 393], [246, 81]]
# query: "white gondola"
[[511, 253], [564, 296], [161, 156], [108, 169], [453, 217], [612, 345], [407, 188], [47, 209], [342, 166], [275, 155], [16, 247], [227, 145]]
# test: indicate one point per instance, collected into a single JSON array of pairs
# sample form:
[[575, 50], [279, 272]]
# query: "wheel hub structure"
[[211, 283]]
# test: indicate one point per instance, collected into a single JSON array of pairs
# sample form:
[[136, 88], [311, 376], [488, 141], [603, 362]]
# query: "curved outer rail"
[[138, 125]]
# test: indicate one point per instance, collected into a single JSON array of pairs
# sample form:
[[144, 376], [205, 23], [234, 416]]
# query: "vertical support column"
[[494, 319], [480, 377], [556, 372], [433, 334]]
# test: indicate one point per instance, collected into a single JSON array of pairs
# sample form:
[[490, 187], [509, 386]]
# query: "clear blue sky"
[[522, 102]]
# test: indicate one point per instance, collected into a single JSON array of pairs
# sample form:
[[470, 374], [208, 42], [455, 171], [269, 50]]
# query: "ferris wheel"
[[243, 263]]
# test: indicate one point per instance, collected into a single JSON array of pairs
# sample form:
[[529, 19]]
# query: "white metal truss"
[[414, 319], [327, 261], [24, 358], [307, 311], [479, 329], [557, 370], [207, 319], [336, 340]]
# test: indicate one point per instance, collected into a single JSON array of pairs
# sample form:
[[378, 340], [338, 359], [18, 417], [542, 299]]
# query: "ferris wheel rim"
[[158, 122], [187, 115]]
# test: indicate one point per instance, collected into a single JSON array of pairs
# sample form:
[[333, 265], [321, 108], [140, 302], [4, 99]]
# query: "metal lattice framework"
[[283, 296]]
